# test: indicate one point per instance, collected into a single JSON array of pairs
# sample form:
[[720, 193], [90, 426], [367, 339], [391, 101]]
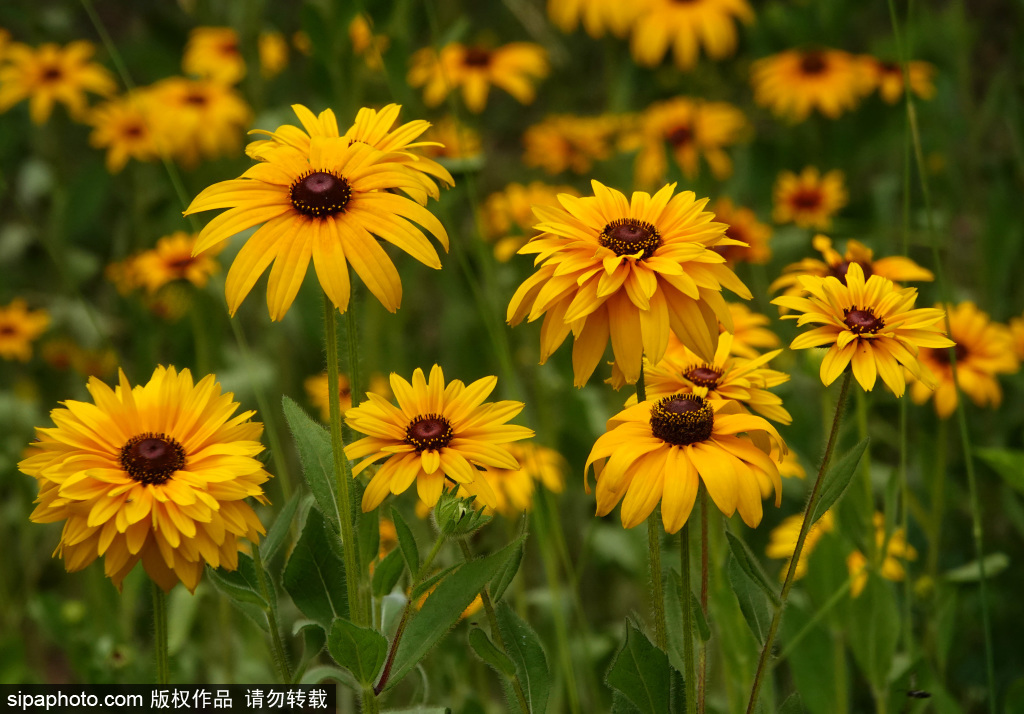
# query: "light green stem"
[[687, 603], [832, 601], [163, 660], [278, 650]]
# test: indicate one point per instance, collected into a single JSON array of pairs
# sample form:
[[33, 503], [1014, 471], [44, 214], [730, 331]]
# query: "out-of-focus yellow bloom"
[[887, 78], [19, 328], [569, 143], [514, 488], [213, 53], [51, 73], [367, 45], [783, 539], [450, 139], [318, 393], [301, 42], [124, 127], [273, 51], [172, 260], [596, 16], [750, 332], [1017, 335], [508, 216], [685, 28], [892, 568], [63, 353], [744, 227], [808, 199], [198, 119], [796, 82]]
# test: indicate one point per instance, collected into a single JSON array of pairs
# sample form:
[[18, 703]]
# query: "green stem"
[[805, 526], [937, 501], [687, 603], [865, 473], [702, 664], [163, 660], [654, 550], [276, 643], [832, 601]]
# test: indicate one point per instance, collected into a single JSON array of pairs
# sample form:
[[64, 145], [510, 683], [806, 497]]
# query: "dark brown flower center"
[[133, 131], [732, 252], [682, 419], [429, 432], [806, 199], [862, 321], [52, 74], [942, 355], [152, 459], [890, 68], [8, 330], [839, 271], [320, 193], [230, 49], [813, 63], [196, 99], [476, 57], [180, 265], [627, 236], [704, 375], [680, 136]]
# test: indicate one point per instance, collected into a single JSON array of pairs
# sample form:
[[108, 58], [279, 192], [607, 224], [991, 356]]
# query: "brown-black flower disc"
[[682, 419], [151, 458], [320, 193], [627, 236], [429, 432]]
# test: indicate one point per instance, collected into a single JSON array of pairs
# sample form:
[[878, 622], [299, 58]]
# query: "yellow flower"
[[749, 331], [63, 353], [983, 350], [596, 16], [213, 53], [686, 27], [157, 473], [19, 327], [887, 78], [745, 228], [51, 73], [796, 82], [273, 52], [172, 259], [317, 391], [810, 199], [123, 275], [450, 139], [895, 268], [628, 271], [514, 67], [687, 129], [124, 127], [197, 119], [892, 569], [508, 215], [568, 143], [436, 432], [367, 45], [514, 488], [658, 449], [870, 324], [328, 206], [1017, 334], [782, 541]]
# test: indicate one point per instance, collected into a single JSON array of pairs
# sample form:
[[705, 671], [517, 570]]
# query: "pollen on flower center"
[[476, 57], [628, 236], [151, 458], [862, 321], [704, 376], [682, 419], [813, 63], [429, 432], [839, 271], [320, 193]]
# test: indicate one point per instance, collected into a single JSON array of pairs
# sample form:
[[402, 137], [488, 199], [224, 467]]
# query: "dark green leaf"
[[792, 705], [490, 654], [503, 578], [622, 705], [324, 672], [525, 650], [315, 574], [444, 607], [838, 477], [994, 563], [746, 559], [642, 673], [313, 442], [387, 573], [432, 581], [698, 617], [1008, 463], [407, 542], [278, 533], [240, 585], [874, 630], [369, 537], [358, 649], [753, 603]]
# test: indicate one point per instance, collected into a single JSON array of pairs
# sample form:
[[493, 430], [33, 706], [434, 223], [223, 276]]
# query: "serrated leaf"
[[746, 559], [642, 673], [490, 654], [995, 563], [369, 536], [443, 609], [503, 578], [433, 580], [278, 533], [525, 650], [838, 477], [753, 603], [874, 630], [313, 443], [387, 573], [315, 575], [1008, 463], [406, 542], [360, 650]]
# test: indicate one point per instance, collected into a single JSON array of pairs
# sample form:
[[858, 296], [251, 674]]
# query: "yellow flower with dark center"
[[564, 142], [213, 53], [514, 488], [367, 45], [124, 127], [686, 129], [49, 74], [660, 450], [436, 432], [984, 349], [318, 393], [628, 271], [892, 568], [750, 332], [895, 268], [782, 541], [515, 67], [157, 473], [745, 228], [796, 82], [172, 259], [596, 16], [686, 26], [198, 119], [371, 127], [870, 324], [810, 199], [887, 78], [19, 327], [329, 205], [508, 214]]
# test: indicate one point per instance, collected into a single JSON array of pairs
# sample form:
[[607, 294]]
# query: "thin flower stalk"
[[688, 625], [163, 666]]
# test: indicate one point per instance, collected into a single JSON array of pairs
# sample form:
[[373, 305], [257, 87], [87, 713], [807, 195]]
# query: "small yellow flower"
[[782, 541], [19, 327], [318, 393], [367, 45], [273, 51], [49, 74], [124, 127], [686, 27], [508, 214], [892, 568], [213, 53], [745, 228], [172, 260], [198, 119], [809, 199], [796, 82], [887, 78], [596, 16], [514, 488], [450, 139], [564, 142]]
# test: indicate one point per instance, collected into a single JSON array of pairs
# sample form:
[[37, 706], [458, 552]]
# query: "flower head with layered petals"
[[172, 259], [49, 74], [796, 82], [19, 327], [565, 142], [808, 199], [197, 119]]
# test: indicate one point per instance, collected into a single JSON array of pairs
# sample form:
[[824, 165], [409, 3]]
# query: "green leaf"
[[406, 542], [874, 630], [360, 650], [792, 705], [432, 581], [753, 603], [315, 575], [387, 573], [746, 559], [995, 563], [622, 705], [240, 585], [838, 477], [642, 673], [503, 578], [1008, 463], [369, 536], [313, 442], [315, 675], [278, 532], [444, 607], [674, 619], [490, 654], [525, 650]]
